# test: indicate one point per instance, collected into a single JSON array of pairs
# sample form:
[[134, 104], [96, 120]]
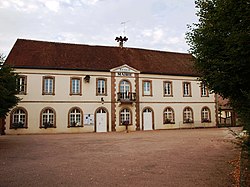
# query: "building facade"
[[70, 88]]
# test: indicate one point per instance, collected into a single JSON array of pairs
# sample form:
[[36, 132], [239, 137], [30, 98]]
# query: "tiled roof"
[[52, 55]]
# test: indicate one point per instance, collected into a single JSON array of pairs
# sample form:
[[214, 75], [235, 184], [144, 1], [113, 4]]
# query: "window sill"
[[169, 123], [48, 94], [47, 127], [190, 122], [101, 94], [18, 128], [76, 126], [125, 125], [78, 94]]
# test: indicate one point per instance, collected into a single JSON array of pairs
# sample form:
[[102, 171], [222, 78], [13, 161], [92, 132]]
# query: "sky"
[[148, 24]]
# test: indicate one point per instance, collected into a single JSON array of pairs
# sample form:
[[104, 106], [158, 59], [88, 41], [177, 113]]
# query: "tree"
[[8, 88], [220, 42]]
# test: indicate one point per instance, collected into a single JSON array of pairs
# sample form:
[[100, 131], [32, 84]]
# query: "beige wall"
[[62, 101]]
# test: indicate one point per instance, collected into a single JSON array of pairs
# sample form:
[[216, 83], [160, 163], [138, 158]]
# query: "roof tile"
[[52, 55]]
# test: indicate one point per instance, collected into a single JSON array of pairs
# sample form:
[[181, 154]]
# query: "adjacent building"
[[69, 88]]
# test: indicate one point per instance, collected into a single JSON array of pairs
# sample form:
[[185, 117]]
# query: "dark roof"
[[52, 55]]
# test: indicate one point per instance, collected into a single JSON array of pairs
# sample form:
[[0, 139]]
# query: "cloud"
[[152, 24], [52, 5]]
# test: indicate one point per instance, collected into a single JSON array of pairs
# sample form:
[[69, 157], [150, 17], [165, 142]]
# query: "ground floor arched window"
[[125, 116], [48, 119], [205, 115], [168, 116], [18, 118], [188, 115], [75, 117]]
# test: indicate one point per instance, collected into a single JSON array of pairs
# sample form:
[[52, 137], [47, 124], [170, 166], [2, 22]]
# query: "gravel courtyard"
[[189, 157]]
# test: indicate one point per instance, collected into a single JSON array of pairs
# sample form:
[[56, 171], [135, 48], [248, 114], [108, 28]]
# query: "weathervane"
[[122, 39]]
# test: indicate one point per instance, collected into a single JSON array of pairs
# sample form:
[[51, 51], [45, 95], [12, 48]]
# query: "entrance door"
[[147, 119], [101, 121]]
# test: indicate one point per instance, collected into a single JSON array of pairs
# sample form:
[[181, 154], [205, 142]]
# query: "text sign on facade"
[[125, 72]]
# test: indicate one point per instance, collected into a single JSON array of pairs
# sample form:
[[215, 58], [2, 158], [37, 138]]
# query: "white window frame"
[[75, 117], [186, 89], [21, 84], [48, 85], [147, 88], [19, 116], [205, 115], [75, 86], [125, 115], [188, 114], [48, 116], [167, 88], [101, 87], [204, 90], [169, 114]]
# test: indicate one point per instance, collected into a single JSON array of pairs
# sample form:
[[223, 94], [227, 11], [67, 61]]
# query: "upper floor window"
[[101, 88], [167, 86], [205, 115], [47, 118], [18, 118], [125, 89], [204, 90], [75, 86], [147, 88], [75, 118], [48, 85], [187, 89], [21, 84], [188, 115], [168, 116]]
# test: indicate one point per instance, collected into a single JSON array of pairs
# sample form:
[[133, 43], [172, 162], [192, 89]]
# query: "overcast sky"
[[150, 24]]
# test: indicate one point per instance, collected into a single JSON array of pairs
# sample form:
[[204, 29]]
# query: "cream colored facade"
[[145, 112]]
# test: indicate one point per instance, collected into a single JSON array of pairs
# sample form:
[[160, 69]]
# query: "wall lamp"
[[87, 78]]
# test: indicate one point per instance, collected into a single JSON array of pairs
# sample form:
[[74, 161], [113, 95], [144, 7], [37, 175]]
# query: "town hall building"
[[72, 88]]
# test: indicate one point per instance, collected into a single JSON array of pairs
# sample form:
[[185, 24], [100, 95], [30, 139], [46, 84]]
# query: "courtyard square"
[[187, 157]]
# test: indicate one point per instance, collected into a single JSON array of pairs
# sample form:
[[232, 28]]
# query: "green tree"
[[8, 88], [220, 42]]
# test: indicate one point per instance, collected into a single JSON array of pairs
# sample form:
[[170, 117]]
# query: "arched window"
[[168, 116], [75, 117], [205, 115], [188, 115], [125, 116], [18, 118], [125, 89], [48, 119]]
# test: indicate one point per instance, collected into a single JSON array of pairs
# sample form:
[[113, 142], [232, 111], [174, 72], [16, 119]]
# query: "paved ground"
[[191, 157]]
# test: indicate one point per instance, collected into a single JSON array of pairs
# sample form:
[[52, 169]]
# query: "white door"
[[101, 121], [147, 120]]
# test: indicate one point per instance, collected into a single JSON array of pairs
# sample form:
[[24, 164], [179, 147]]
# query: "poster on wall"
[[88, 119]]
